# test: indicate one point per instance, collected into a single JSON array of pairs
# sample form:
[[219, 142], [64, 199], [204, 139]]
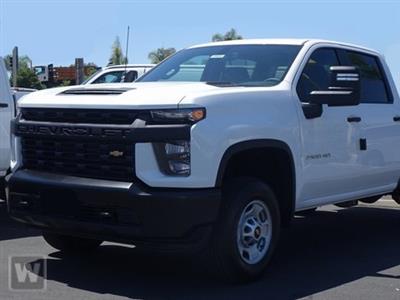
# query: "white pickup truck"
[[213, 150], [6, 114], [118, 73]]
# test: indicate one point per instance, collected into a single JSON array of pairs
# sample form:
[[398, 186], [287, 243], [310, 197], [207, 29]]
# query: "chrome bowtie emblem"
[[116, 153]]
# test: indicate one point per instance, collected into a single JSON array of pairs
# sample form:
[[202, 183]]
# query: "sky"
[[58, 31]]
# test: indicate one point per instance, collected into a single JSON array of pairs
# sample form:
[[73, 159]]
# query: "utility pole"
[[79, 69], [127, 49], [15, 66]]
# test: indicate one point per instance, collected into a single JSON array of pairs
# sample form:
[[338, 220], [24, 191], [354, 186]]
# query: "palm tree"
[[117, 57], [160, 54], [229, 36]]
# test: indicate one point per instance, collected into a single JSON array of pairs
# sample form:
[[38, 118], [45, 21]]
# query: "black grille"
[[83, 116], [93, 159]]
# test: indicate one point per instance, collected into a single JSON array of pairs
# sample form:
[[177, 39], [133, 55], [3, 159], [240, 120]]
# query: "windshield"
[[92, 76], [244, 65]]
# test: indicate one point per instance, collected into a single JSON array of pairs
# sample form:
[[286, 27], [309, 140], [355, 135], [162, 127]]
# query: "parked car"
[[118, 73], [6, 114], [212, 151]]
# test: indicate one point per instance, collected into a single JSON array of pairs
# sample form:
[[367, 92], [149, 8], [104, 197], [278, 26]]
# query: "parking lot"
[[333, 254]]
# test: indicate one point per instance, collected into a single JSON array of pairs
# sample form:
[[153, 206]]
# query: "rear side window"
[[373, 86], [316, 73]]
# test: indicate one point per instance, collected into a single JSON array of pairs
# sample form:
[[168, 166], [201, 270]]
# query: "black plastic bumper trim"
[[135, 213]]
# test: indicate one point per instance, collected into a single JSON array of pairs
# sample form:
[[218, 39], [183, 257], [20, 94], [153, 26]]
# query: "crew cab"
[[212, 151], [6, 113], [118, 73]]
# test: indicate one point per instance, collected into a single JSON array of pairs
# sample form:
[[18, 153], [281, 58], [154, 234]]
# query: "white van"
[[6, 114]]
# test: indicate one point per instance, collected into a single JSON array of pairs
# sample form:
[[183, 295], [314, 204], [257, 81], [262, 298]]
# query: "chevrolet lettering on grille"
[[70, 131]]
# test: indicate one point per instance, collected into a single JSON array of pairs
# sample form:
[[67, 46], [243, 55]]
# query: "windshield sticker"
[[217, 56]]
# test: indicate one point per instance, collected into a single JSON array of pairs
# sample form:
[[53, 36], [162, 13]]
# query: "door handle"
[[3, 105], [353, 119], [396, 118]]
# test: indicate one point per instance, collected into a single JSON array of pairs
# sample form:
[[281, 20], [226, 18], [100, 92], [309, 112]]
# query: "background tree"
[[228, 36], [65, 83], [23, 61], [26, 77], [117, 57], [90, 69], [160, 54]]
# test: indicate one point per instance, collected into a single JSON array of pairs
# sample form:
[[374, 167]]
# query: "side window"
[[373, 87], [316, 74], [110, 77]]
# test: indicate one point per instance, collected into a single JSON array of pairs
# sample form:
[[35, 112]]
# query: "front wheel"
[[247, 231], [306, 212], [70, 244]]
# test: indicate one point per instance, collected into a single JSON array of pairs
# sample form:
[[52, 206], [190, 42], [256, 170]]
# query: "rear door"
[[380, 126], [6, 109]]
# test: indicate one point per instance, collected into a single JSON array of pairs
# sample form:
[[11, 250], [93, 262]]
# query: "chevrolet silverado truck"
[[211, 152]]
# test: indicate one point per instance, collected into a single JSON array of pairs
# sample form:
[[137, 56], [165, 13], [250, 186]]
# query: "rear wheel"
[[247, 231], [370, 200], [70, 244], [347, 204]]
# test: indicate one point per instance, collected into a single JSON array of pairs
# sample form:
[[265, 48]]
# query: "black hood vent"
[[96, 91]]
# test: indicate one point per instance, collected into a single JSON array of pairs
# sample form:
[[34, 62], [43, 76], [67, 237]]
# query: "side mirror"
[[344, 89]]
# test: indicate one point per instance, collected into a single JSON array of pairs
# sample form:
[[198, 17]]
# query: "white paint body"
[[237, 114], [5, 118]]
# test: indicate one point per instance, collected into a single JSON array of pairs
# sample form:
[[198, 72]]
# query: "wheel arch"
[[266, 146]]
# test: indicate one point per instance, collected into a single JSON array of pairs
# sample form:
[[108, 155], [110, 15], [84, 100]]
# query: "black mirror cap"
[[344, 89]]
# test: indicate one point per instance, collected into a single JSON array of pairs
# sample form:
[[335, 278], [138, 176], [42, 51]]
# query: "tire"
[[370, 200], [71, 244], [306, 212], [239, 226], [2, 189], [347, 204]]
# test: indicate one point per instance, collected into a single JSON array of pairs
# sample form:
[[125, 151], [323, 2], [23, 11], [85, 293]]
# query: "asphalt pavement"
[[333, 254]]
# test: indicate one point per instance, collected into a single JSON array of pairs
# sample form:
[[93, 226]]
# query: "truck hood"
[[139, 95]]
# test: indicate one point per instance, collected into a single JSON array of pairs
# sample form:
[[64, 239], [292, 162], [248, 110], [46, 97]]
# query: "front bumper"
[[166, 219]]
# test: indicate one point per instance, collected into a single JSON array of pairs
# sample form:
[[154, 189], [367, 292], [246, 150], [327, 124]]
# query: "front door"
[[331, 142]]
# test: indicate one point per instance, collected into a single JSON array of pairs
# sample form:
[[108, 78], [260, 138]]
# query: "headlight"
[[180, 116], [173, 157]]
